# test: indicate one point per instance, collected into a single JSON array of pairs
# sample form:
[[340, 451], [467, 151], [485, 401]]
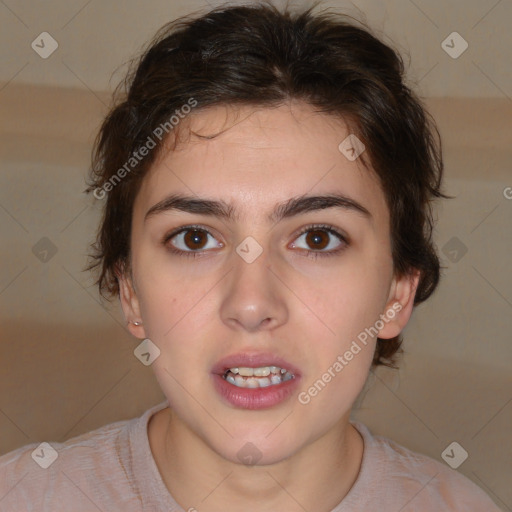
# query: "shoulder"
[[76, 471], [413, 481]]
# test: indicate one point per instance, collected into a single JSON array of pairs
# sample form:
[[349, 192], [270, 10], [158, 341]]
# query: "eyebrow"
[[290, 208]]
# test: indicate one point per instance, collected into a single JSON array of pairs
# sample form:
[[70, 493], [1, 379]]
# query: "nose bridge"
[[252, 298]]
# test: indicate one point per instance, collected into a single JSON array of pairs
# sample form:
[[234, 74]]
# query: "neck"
[[317, 477]]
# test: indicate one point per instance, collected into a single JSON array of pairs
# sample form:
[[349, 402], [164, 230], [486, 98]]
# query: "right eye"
[[190, 241]]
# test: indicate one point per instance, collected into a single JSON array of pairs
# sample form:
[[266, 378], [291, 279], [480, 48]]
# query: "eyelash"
[[310, 254]]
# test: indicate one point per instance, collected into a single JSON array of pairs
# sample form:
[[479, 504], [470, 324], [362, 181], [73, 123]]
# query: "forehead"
[[254, 158]]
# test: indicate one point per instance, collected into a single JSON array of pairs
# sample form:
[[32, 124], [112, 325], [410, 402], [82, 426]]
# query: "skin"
[[306, 310]]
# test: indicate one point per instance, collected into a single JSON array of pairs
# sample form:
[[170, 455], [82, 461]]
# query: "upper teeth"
[[244, 377], [262, 371]]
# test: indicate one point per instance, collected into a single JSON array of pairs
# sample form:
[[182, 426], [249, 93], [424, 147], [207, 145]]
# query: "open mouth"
[[250, 380], [260, 377]]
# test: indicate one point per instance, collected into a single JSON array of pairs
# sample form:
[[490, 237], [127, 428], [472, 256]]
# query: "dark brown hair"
[[262, 56]]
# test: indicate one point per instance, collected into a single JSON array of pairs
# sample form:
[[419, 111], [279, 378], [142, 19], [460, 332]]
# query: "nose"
[[254, 297]]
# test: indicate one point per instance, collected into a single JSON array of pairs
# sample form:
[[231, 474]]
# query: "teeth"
[[262, 371], [252, 383], [257, 377], [275, 379], [264, 382]]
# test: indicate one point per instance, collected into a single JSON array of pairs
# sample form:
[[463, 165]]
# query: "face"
[[260, 276]]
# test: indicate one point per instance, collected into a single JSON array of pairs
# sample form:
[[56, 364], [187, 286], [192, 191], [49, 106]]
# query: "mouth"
[[255, 381], [260, 377]]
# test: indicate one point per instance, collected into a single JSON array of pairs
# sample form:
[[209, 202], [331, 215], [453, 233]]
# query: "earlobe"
[[400, 304], [130, 305]]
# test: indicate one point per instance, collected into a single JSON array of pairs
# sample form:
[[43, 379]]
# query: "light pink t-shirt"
[[112, 469]]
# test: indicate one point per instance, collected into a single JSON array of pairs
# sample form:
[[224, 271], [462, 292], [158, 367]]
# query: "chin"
[[258, 446]]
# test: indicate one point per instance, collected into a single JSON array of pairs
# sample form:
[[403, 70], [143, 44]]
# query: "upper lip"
[[253, 360]]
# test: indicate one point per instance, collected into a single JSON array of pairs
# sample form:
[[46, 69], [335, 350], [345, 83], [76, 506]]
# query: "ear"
[[400, 304], [130, 303]]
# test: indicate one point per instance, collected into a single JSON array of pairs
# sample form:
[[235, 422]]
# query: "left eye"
[[193, 240], [320, 239]]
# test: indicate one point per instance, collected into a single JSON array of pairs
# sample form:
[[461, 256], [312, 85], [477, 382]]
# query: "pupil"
[[194, 237], [315, 238]]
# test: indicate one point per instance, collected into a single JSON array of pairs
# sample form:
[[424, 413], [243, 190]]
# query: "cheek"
[[349, 300], [167, 297], [174, 317], [342, 356], [178, 316], [349, 305]]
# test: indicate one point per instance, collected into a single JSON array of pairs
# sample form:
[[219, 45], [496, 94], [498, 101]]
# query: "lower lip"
[[254, 398]]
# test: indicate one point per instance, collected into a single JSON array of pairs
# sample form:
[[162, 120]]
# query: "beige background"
[[67, 363]]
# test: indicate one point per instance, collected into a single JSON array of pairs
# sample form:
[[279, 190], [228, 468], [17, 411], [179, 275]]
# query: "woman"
[[267, 227]]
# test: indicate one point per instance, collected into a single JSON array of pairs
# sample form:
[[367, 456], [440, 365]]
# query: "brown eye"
[[320, 241], [195, 239], [317, 239], [191, 240]]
